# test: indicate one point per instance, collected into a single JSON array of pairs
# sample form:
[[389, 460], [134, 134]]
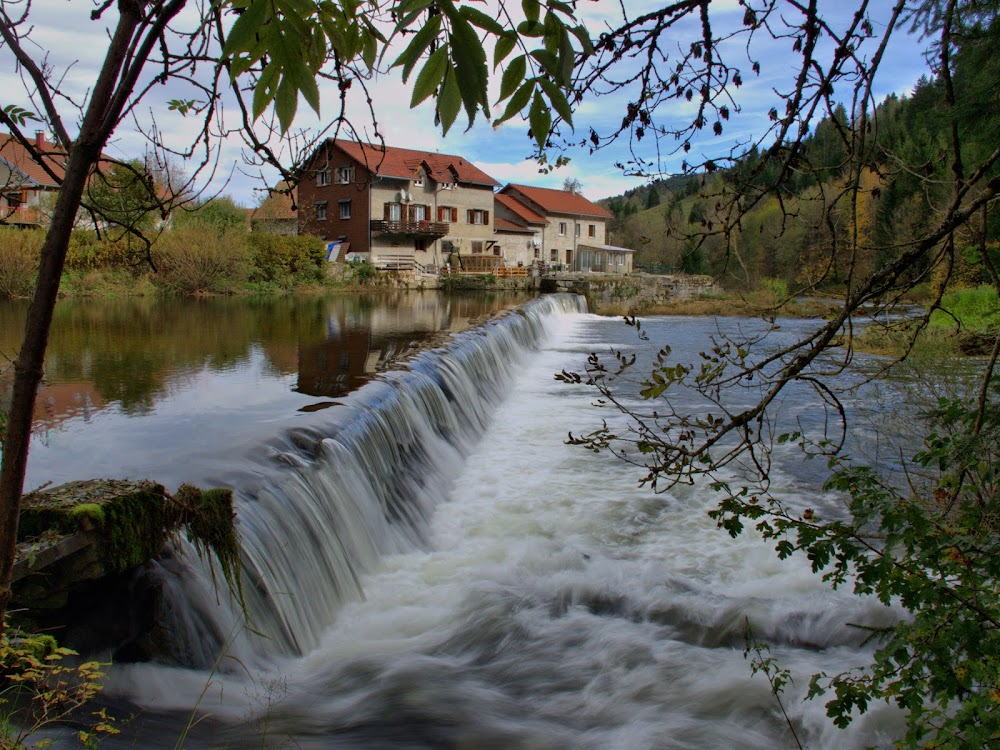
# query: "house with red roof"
[[567, 231], [276, 214], [26, 177], [397, 207]]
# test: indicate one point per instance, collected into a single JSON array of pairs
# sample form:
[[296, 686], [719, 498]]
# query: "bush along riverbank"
[[196, 259]]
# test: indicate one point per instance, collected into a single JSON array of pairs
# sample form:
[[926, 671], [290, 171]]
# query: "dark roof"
[[560, 201], [404, 163]]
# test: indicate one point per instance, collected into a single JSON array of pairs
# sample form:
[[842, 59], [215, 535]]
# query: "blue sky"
[[75, 44]]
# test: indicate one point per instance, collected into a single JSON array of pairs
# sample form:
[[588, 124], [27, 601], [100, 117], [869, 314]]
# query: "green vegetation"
[[210, 255], [135, 519], [976, 310], [42, 686]]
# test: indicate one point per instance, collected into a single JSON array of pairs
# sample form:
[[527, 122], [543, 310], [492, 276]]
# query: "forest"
[[679, 224]]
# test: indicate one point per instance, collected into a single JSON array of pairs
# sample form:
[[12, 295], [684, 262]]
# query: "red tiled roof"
[[560, 201], [20, 159], [519, 209], [503, 225], [390, 161], [277, 205]]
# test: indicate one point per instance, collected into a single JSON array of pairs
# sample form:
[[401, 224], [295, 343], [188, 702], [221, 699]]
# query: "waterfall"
[[360, 481]]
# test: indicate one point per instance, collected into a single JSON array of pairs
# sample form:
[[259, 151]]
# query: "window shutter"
[[441, 210], [454, 215], [387, 209], [486, 217], [469, 215]]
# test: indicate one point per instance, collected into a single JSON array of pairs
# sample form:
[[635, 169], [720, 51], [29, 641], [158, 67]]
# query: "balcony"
[[25, 215], [428, 229]]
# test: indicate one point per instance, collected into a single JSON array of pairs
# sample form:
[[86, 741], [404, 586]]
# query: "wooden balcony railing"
[[19, 215], [410, 228]]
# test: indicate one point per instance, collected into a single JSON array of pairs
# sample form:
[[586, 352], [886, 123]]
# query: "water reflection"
[[132, 355]]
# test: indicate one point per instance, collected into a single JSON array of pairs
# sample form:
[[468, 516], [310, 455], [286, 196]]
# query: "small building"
[[562, 221], [399, 208], [519, 231], [276, 214], [25, 180], [603, 259]]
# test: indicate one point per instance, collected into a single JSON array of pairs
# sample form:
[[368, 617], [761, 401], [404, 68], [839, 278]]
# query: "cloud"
[[64, 34]]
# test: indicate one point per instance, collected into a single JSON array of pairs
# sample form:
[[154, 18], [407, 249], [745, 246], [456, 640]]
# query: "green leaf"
[[286, 101], [540, 118], [583, 36], [430, 76], [264, 92], [243, 34], [310, 92], [548, 61], [532, 9], [420, 42], [369, 50], [480, 19], [567, 58], [513, 77], [470, 66], [504, 46], [558, 100], [449, 100], [518, 101]]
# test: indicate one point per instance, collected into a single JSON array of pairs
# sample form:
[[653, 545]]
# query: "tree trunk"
[[103, 113]]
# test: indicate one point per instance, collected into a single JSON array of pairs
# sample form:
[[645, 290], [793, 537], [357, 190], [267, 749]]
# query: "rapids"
[[429, 565]]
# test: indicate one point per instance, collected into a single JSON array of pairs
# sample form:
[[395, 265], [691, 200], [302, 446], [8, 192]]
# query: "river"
[[429, 565]]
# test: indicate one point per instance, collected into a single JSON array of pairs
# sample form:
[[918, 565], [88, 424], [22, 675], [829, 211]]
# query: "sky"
[[73, 46]]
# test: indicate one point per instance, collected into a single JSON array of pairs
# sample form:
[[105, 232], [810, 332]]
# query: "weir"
[[358, 483]]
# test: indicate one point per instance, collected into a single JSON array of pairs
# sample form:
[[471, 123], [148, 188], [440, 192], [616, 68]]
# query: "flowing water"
[[429, 565]]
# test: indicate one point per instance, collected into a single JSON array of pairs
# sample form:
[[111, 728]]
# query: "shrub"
[[286, 259], [214, 259], [977, 309], [88, 252], [19, 253]]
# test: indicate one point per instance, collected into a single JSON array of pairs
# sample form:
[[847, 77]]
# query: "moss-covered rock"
[[132, 519]]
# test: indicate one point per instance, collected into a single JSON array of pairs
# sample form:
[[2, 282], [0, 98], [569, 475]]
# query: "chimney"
[[40, 138]]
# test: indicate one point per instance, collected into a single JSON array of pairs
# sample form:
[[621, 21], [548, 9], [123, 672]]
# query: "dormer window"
[[446, 186]]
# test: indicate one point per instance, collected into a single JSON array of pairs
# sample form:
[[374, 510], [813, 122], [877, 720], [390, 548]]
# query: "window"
[[448, 213], [496, 249], [323, 177], [393, 211], [419, 182], [477, 246], [446, 186], [345, 209], [345, 175], [420, 245], [478, 216], [562, 228], [320, 210], [553, 255], [592, 230], [538, 253], [578, 229], [418, 212]]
